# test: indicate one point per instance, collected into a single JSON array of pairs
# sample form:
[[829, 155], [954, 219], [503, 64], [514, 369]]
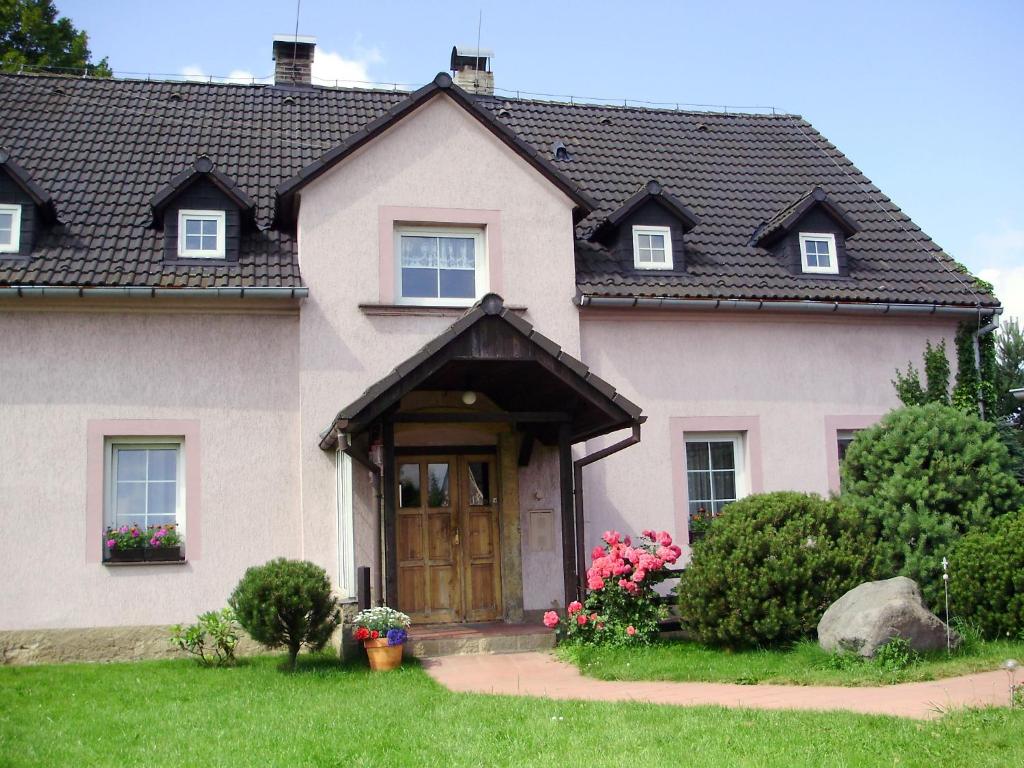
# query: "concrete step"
[[455, 640]]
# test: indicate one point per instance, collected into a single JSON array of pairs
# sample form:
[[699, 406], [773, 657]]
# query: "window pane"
[[457, 284], [698, 508], [131, 464], [6, 228], [163, 464], [697, 456], [722, 455], [209, 227], [456, 253], [479, 483], [718, 506], [698, 485], [657, 241], [823, 260], [209, 242], [130, 503], [193, 242], [419, 251], [419, 283], [154, 520], [193, 226], [437, 490], [161, 500], [724, 485], [409, 485]]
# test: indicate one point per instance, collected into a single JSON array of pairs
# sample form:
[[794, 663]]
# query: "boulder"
[[871, 614]]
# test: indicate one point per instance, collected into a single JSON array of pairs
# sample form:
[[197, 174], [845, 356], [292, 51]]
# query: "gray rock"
[[871, 614]]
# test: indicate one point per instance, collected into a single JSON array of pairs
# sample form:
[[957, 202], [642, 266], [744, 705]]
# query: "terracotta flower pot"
[[383, 656]]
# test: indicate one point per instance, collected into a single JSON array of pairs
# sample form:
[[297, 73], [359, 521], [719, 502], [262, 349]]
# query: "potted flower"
[[382, 631], [124, 544], [700, 523], [163, 543]]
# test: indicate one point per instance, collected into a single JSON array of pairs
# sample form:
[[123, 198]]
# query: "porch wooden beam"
[[388, 491], [570, 583], [526, 449], [522, 417]]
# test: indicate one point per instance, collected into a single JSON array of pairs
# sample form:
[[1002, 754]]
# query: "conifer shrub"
[[286, 603], [986, 581], [920, 479], [768, 568]]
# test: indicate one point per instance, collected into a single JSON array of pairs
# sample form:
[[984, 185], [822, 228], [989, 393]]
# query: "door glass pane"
[[722, 456], [697, 456], [479, 483], [131, 464], [409, 485], [437, 488]]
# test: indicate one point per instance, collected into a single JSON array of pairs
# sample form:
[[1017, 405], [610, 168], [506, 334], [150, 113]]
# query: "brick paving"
[[541, 674]]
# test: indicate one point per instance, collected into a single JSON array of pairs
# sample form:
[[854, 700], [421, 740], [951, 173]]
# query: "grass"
[[175, 713], [804, 664]]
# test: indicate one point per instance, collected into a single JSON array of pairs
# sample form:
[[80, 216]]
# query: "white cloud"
[[331, 68], [193, 72], [999, 258], [244, 76]]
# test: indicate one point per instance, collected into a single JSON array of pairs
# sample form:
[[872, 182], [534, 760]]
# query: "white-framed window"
[[145, 482], [715, 471], [201, 234], [440, 266], [818, 252], [843, 439], [652, 247], [10, 228]]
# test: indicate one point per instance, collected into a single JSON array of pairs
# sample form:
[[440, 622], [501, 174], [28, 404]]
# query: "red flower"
[[362, 633], [374, 634], [630, 630], [581, 619], [575, 606]]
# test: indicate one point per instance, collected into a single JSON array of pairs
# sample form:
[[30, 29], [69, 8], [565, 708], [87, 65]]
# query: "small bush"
[[287, 603], [768, 568], [896, 655], [986, 577], [211, 640], [920, 479]]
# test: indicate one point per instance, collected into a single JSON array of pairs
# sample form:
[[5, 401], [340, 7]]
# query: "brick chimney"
[[293, 57], [472, 69]]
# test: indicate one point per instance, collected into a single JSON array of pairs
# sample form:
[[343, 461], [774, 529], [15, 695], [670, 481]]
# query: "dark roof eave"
[[202, 168], [39, 196], [654, 191], [286, 208], [784, 221]]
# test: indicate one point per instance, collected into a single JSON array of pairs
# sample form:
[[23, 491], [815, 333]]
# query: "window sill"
[[418, 310], [144, 563]]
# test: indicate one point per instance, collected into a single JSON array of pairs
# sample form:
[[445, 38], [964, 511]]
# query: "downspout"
[[982, 331], [577, 485]]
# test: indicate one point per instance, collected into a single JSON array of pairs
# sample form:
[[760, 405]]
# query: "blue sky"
[[927, 98]]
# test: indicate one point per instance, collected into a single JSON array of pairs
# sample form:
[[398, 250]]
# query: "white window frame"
[[111, 444], [15, 245], [665, 232], [833, 268], [482, 279], [739, 453], [219, 216]]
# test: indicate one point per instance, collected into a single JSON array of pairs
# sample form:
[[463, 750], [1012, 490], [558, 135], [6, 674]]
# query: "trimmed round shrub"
[[286, 603], [986, 577], [768, 568], [921, 478]]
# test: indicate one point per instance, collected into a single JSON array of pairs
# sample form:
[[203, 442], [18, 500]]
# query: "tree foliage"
[[769, 567], [1009, 371], [920, 479], [286, 603], [32, 34]]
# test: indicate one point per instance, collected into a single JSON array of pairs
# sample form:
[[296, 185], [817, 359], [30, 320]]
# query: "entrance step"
[[457, 639]]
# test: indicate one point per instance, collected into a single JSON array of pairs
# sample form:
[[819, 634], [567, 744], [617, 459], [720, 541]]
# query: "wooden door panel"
[[480, 542], [483, 596], [439, 537], [411, 589], [410, 537], [443, 590], [480, 547]]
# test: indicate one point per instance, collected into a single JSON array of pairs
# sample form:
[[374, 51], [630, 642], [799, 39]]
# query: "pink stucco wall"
[[791, 375], [232, 377]]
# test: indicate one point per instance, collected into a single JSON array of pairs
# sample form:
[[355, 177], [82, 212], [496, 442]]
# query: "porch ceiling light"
[[469, 397]]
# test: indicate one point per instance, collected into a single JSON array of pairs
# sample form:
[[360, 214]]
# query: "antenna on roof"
[[295, 45], [479, 24]]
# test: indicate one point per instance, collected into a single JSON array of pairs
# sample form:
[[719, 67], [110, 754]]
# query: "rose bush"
[[622, 606]]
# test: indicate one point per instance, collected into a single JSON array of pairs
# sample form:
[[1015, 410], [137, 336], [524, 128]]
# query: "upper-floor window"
[[652, 247], [201, 234], [10, 228], [818, 252], [440, 266]]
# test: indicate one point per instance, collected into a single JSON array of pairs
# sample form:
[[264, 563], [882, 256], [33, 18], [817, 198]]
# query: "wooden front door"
[[449, 566]]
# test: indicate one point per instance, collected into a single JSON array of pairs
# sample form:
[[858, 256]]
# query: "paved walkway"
[[541, 674]]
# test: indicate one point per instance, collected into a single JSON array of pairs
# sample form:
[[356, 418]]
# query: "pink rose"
[[612, 537], [550, 619], [581, 619], [664, 539], [639, 576], [630, 630], [648, 534], [111, 543], [575, 606], [595, 583], [597, 553], [627, 541], [623, 583]]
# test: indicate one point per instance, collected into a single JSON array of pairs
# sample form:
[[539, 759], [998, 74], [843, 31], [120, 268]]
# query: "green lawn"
[[805, 664], [174, 713]]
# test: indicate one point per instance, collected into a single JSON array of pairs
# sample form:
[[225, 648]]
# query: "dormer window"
[[10, 228], [652, 247], [201, 234], [818, 252]]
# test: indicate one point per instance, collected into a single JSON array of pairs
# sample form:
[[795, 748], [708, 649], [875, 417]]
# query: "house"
[[448, 335]]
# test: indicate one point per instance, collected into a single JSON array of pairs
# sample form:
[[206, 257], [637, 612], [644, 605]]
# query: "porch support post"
[[511, 531], [572, 587], [390, 503]]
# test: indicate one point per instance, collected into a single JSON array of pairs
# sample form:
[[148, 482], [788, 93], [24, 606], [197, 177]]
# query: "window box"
[[134, 555], [161, 554]]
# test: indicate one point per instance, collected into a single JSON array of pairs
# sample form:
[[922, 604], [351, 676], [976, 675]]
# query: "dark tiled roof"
[[103, 149]]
